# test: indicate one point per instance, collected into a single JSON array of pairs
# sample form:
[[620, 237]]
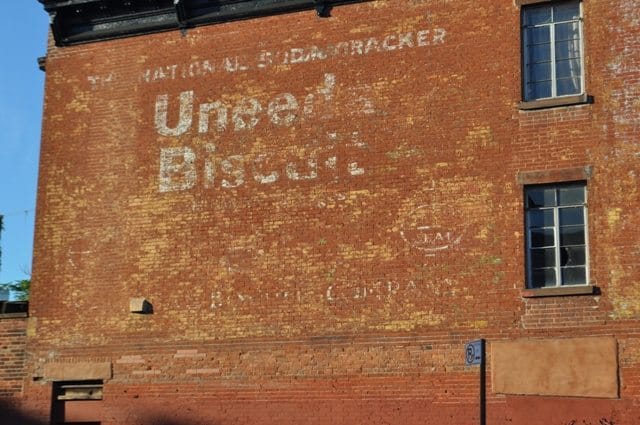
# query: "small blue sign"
[[473, 353]]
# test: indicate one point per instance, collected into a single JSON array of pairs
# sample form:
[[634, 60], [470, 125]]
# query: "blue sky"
[[23, 38]]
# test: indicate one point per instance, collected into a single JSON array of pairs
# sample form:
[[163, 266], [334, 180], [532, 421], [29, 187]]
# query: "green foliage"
[[20, 288]]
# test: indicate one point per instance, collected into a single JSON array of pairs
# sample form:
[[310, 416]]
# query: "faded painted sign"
[[420, 233], [178, 164], [338, 292], [296, 55], [282, 110], [183, 167]]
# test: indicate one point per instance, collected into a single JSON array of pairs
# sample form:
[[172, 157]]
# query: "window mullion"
[[585, 212], [525, 61], [552, 46], [581, 35], [529, 245], [556, 235]]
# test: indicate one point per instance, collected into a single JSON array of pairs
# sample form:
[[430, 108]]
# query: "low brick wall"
[[13, 336]]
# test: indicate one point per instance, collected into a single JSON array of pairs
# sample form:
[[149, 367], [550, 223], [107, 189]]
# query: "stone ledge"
[[13, 315], [529, 105], [561, 291], [81, 371], [555, 176]]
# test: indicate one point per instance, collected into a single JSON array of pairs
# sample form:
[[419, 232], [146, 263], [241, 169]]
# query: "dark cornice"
[[83, 21]]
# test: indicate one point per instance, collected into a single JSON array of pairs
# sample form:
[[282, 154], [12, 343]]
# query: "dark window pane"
[[574, 275], [566, 11], [572, 235], [540, 72], [541, 197], [568, 68], [537, 15], [541, 238], [571, 216], [569, 86], [567, 31], [538, 90], [541, 218], [543, 277], [572, 195], [538, 35], [539, 53], [545, 257], [572, 256], [567, 50]]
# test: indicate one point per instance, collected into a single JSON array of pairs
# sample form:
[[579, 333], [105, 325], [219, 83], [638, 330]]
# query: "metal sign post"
[[475, 355]]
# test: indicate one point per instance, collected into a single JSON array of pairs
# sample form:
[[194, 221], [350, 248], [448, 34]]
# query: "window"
[[557, 245], [552, 52], [77, 402], [78, 390]]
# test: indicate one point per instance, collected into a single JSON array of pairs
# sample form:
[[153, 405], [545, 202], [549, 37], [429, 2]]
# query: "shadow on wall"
[[12, 415]]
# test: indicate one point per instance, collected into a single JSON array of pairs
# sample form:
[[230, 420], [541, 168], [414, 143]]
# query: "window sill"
[[561, 291], [555, 102], [13, 315]]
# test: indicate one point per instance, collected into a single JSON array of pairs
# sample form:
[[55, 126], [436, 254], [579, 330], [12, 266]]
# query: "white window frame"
[[525, 55], [556, 234]]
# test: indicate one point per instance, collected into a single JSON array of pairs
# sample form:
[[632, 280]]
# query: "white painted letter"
[[293, 174], [406, 40], [387, 40], [356, 47], [329, 86], [282, 109], [341, 48], [354, 170], [221, 122], [265, 59], [236, 171], [330, 294], [317, 54], [326, 91], [169, 168], [209, 166], [186, 114], [259, 176], [422, 38], [372, 44], [248, 107], [298, 56], [438, 36]]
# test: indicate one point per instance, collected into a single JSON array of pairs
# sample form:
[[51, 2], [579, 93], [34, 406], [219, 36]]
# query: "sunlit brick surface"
[[322, 212]]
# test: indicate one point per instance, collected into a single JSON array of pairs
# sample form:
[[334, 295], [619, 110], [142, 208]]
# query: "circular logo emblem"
[[420, 233]]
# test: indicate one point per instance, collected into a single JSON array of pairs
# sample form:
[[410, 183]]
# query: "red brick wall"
[[13, 337], [322, 249]]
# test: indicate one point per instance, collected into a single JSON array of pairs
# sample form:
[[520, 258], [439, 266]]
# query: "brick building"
[[300, 212]]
